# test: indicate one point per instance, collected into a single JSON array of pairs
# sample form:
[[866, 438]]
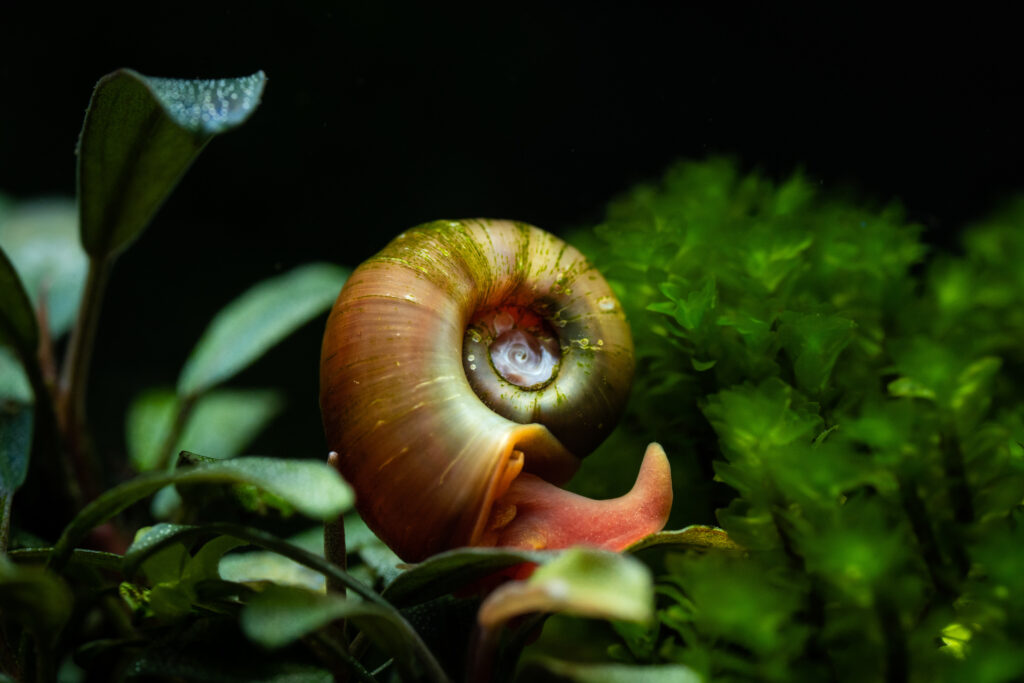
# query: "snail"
[[465, 371]]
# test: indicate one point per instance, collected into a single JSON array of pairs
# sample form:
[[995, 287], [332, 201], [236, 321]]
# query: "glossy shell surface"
[[428, 433]]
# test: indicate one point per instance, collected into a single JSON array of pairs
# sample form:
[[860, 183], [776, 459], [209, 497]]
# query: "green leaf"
[[545, 668], [213, 650], [18, 327], [282, 614], [581, 582], [448, 571], [14, 383], [688, 307], [694, 537], [387, 626], [257, 320], [35, 597], [313, 488], [98, 559], [813, 343], [15, 445], [41, 239], [750, 419], [165, 535], [139, 137], [220, 424], [260, 566]]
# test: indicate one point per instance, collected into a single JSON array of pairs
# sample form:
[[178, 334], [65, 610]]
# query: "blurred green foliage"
[[848, 406]]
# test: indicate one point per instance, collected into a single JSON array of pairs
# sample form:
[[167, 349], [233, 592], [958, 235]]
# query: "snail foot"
[[548, 517]]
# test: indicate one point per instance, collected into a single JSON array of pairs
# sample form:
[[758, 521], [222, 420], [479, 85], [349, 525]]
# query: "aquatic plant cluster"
[[847, 403], [842, 401]]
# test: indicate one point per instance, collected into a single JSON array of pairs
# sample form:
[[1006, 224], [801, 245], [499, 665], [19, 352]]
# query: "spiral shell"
[[465, 353]]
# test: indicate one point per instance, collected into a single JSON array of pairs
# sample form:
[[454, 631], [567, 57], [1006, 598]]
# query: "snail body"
[[466, 363]]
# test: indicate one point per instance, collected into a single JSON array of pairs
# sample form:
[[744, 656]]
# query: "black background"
[[378, 116]]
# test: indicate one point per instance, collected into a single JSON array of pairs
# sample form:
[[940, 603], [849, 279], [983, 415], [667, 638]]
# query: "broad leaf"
[[35, 597], [139, 137], [577, 672], [581, 582], [81, 557], [14, 384], [165, 535], [15, 444], [18, 327], [257, 320], [282, 614], [261, 565], [215, 650], [385, 625], [695, 537], [449, 571], [220, 424], [311, 487], [41, 239]]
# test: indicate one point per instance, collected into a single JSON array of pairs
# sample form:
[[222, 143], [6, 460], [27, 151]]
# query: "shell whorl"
[[429, 432]]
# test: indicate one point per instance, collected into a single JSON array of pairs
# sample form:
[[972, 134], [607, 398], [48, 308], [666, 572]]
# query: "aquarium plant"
[[838, 402]]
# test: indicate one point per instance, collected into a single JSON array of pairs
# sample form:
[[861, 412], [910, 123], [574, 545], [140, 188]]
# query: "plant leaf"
[[220, 424], [139, 137], [694, 537], [311, 487], [256, 321], [14, 384], [544, 668], [35, 597], [215, 650], [15, 444], [41, 239], [282, 614], [454, 569], [18, 327], [579, 581], [393, 628], [97, 559]]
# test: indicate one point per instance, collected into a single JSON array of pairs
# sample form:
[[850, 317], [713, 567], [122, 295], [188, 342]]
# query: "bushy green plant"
[[858, 402]]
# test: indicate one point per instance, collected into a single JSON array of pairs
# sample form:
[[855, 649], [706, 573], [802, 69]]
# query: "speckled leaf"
[[256, 321], [311, 487], [18, 327], [581, 582], [695, 537], [221, 424], [41, 239], [139, 137]]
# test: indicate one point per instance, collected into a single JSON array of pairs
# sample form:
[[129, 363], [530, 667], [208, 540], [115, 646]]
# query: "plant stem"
[[334, 541], [71, 397]]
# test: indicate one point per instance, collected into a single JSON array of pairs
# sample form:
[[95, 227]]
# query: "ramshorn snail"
[[466, 369]]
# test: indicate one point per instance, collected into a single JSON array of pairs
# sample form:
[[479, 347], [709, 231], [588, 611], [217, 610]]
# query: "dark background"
[[380, 116]]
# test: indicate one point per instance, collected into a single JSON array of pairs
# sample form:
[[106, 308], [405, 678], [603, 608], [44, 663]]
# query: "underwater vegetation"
[[839, 403]]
